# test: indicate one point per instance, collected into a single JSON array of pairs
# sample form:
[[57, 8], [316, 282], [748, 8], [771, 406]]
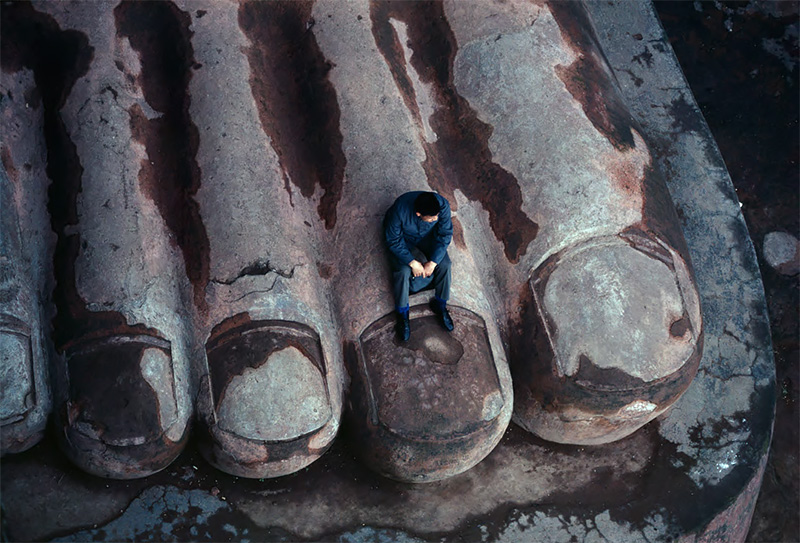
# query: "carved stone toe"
[[431, 407], [120, 419], [265, 402]]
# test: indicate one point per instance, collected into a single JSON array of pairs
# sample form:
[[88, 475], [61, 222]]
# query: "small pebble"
[[782, 252]]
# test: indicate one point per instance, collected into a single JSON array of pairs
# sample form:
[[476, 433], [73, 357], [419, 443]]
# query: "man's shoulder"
[[404, 202]]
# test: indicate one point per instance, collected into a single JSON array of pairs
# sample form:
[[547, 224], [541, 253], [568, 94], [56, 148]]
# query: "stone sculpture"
[[200, 193]]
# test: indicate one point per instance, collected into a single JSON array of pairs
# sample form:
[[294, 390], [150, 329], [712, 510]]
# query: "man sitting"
[[418, 227]]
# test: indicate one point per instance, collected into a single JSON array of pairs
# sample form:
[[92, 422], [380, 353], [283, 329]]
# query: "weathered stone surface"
[[611, 288], [229, 240], [691, 474], [116, 276], [429, 408], [259, 159], [272, 413], [782, 252], [25, 400], [384, 150]]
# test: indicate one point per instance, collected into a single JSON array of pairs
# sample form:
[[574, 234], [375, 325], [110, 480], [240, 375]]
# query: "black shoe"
[[403, 327], [444, 315]]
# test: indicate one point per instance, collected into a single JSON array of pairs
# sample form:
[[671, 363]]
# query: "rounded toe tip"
[[266, 405], [624, 339], [121, 417], [429, 408]]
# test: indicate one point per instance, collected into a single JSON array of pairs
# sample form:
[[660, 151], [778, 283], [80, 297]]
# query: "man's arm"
[[393, 234], [444, 232]]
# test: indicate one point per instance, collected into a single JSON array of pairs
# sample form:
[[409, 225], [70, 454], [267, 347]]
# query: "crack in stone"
[[710, 373], [259, 267]]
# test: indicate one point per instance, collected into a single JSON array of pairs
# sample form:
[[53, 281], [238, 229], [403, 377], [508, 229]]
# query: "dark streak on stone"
[[458, 234], [296, 101], [33, 40], [33, 98], [235, 321], [232, 349], [591, 376], [679, 327], [460, 158], [644, 58], [114, 399], [170, 176], [324, 270], [8, 164], [587, 80], [686, 117], [592, 389], [659, 214]]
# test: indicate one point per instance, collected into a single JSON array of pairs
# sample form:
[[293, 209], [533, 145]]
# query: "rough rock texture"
[[26, 397], [263, 292], [782, 252], [608, 243], [436, 399], [384, 155], [116, 275], [691, 475]]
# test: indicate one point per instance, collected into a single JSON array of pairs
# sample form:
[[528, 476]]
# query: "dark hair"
[[427, 204]]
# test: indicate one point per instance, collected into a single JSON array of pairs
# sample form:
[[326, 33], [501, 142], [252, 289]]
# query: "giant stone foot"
[[219, 173]]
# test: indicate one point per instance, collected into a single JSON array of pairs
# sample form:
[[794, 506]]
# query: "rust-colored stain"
[[170, 176], [235, 321], [325, 270], [460, 157], [235, 348], [592, 389], [113, 398], [586, 79], [296, 101], [680, 327], [8, 164], [33, 40], [458, 234]]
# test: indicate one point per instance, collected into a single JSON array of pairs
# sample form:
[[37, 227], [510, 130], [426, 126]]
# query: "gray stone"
[[782, 252], [25, 399], [691, 475]]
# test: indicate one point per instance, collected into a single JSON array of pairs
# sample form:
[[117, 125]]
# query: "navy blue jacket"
[[403, 230]]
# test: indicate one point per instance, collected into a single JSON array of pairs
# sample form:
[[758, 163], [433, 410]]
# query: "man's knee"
[[402, 274], [444, 264]]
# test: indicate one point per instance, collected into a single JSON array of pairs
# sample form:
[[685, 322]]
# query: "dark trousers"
[[404, 283]]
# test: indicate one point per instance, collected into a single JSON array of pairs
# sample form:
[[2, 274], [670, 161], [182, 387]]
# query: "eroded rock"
[[782, 252], [217, 188]]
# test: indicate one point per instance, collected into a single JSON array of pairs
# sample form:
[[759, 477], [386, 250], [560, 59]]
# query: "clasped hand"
[[422, 270]]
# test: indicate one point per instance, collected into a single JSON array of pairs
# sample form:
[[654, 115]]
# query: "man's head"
[[426, 206]]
